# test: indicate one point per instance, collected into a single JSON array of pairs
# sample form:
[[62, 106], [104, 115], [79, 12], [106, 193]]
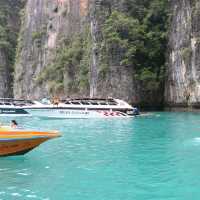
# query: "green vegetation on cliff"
[[139, 36], [8, 32], [72, 62], [9, 26]]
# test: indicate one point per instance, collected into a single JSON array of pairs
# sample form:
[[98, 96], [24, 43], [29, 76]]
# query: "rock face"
[[41, 24], [9, 26], [118, 81], [45, 24], [183, 74], [5, 78]]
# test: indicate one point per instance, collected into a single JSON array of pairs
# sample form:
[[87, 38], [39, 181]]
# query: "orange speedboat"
[[18, 141]]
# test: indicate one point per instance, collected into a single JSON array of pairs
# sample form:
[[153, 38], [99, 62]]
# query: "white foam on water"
[[197, 139], [2, 192], [16, 194], [193, 142], [31, 196], [5, 169], [25, 190], [23, 174]]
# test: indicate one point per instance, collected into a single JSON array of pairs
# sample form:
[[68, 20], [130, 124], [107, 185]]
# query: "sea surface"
[[156, 157]]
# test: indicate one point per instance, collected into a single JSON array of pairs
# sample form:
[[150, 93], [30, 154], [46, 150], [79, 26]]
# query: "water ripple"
[[149, 158]]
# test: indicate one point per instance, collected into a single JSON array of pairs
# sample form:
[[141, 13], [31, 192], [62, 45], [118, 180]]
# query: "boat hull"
[[16, 142], [13, 147], [75, 114], [13, 112]]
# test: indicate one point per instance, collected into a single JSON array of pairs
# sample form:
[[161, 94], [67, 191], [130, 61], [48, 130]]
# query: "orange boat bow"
[[19, 142]]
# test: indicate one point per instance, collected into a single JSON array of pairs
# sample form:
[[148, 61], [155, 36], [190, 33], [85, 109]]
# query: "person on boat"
[[136, 111], [14, 124], [56, 101]]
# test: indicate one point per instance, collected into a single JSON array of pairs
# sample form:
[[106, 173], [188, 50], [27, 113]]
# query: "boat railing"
[[92, 102]]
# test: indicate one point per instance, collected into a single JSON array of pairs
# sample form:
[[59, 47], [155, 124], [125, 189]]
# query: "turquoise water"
[[146, 158]]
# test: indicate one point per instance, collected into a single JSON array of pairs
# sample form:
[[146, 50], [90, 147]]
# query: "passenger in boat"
[[14, 124], [136, 111], [56, 101]]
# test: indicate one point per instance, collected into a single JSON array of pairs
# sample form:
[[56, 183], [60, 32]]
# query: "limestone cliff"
[[183, 74], [9, 27], [118, 81], [47, 25]]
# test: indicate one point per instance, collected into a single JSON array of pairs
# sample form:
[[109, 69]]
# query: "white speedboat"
[[8, 107], [76, 108]]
